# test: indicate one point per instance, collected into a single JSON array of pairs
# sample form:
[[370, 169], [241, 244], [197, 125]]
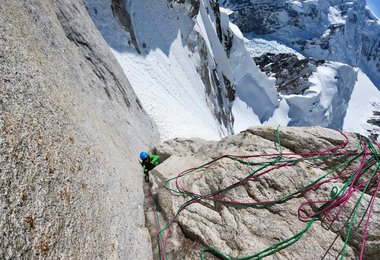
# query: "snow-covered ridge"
[[344, 31], [193, 69], [164, 75]]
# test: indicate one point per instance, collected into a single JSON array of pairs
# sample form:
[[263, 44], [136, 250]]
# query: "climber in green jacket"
[[148, 162]]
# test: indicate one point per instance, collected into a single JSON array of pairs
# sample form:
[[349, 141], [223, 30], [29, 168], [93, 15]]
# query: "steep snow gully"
[[190, 66]]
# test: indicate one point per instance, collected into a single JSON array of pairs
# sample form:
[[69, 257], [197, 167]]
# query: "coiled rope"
[[356, 180]]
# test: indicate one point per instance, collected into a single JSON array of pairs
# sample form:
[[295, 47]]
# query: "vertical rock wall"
[[70, 131]]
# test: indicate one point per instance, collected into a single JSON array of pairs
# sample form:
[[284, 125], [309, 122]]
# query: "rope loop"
[[352, 171], [334, 192]]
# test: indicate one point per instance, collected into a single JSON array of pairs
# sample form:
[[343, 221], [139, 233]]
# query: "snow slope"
[[341, 97], [325, 102], [164, 76], [365, 100], [344, 31], [180, 66]]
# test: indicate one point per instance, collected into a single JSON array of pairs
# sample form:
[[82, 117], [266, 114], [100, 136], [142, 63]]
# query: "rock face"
[[291, 73], [222, 223], [70, 130], [220, 89]]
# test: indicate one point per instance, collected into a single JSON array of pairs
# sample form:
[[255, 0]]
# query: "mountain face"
[[203, 68], [73, 119], [317, 92], [188, 57], [249, 203], [344, 31], [356, 100], [71, 128], [292, 74], [323, 30]]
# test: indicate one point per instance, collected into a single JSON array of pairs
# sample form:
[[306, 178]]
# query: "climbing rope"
[[355, 180]]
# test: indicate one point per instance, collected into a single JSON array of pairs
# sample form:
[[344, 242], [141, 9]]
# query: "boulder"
[[200, 196]]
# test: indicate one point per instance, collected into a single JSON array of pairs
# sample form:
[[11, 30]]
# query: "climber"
[[148, 162]]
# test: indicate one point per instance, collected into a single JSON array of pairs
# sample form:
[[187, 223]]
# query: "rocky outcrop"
[[201, 213], [344, 31], [121, 14], [220, 89], [291, 73], [70, 130], [175, 16]]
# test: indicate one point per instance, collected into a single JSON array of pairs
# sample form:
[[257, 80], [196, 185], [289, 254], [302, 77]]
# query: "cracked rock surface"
[[70, 130], [239, 231]]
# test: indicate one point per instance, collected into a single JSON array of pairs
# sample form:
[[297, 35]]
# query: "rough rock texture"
[[239, 231], [70, 131], [220, 90], [291, 73]]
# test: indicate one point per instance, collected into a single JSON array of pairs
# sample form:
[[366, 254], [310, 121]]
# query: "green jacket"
[[153, 161]]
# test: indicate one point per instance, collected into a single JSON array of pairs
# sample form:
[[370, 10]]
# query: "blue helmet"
[[143, 155]]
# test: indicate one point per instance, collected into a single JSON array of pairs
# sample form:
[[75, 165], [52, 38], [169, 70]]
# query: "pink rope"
[[367, 222], [212, 196], [174, 220], [336, 202]]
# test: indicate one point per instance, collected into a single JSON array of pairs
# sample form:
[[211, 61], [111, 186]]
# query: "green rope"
[[335, 193], [374, 151]]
